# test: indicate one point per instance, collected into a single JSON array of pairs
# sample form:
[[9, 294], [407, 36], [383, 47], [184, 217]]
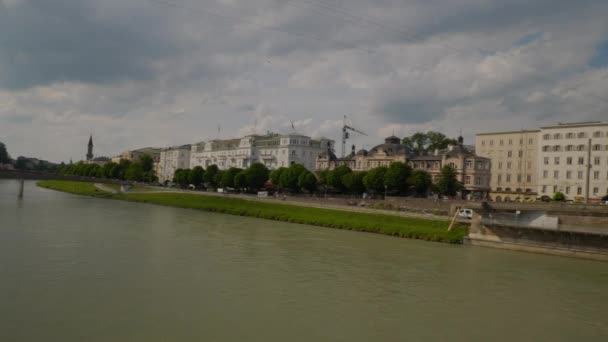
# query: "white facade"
[[573, 159], [171, 159], [272, 150]]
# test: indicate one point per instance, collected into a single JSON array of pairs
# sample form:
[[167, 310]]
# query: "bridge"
[[579, 230]]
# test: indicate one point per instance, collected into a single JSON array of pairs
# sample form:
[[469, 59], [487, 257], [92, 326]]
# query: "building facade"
[[272, 150], [514, 163], [171, 159], [573, 160], [381, 155]]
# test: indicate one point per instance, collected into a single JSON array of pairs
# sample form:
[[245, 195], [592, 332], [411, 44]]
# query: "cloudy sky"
[[138, 73]]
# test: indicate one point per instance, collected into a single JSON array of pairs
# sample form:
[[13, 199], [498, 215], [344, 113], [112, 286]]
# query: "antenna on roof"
[[292, 125]]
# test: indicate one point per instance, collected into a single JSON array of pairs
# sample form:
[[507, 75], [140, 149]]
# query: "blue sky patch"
[[600, 58], [529, 38]]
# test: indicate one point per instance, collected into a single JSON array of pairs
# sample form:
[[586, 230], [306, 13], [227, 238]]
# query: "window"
[[477, 180], [508, 178], [519, 178], [500, 165], [510, 141], [569, 160], [528, 178], [596, 175], [501, 142], [556, 174], [569, 135], [491, 142], [581, 135], [568, 174], [508, 165], [597, 134], [579, 191], [544, 188], [546, 148], [510, 154], [580, 175], [556, 160], [597, 147], [580, 148], [557, 148], [596, 190], [520, 153], [546, 136], [581, 160], [469, 164], [596, 160], [499, 178], [554, 188], [567, 190], [570, 148], [545, 174], [557, 136], [530, 141]]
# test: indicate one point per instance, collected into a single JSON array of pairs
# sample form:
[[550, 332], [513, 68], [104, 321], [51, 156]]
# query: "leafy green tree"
[[21, 163], [307, 181], [334, 178], [182, 177], [374, 180], [427, 142], [210, 176], [123, 166], [218, 178], [228, 177], [257, 175], [275, 175], [396, 177], [420, 180], [289, 178], [417, 142], [135, 172], [559, 197], [196, 176], [322, 177], [106, 170], [240, 180], [4, 156], [448, 183], [147, 164], [354, 182]]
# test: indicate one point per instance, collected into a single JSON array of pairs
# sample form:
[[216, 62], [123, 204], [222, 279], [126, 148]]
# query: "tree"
[[374, 180], [417, 142], [106, 170], [147, 164], [5, 158], [396, 177], [182, 177], [240, 180], [420, 180], [275, 175], [228, 177], [289, 178], [353, 182], [257, 175], [210, 176], [307, 181], [448, 183], [196, 176], [322, 177], [135, 172], [334, 177], [559, 197], [123, 166], [21, 163], [428, 142]]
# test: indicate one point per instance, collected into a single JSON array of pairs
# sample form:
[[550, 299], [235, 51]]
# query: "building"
[[171, 159], [91, 159], [381, 155], [272, 150], [514, 161], [135, 155], [573, 160], [472, 170]]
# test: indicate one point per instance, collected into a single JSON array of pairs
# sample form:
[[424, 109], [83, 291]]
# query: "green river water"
[[75, 268]]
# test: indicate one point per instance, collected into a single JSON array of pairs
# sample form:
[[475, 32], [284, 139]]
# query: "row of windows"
[[519, 178], [569, 160], [558, 148], [596, 175], [509, 164], [579, 190], [579, 135], [501, 142], [516, 190]]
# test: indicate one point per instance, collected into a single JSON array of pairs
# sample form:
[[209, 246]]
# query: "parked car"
[[465, 213]]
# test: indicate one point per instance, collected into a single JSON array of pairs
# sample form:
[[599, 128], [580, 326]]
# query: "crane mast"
[[346, 135]]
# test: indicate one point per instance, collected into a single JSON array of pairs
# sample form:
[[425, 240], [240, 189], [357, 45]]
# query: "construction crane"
[[345, 135]]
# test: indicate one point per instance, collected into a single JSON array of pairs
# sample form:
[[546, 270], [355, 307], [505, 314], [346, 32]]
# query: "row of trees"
[[139, 171], [250, 179], [5, 158], [396, 179]]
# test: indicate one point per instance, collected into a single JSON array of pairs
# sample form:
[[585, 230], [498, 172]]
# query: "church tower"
[[90, 149]]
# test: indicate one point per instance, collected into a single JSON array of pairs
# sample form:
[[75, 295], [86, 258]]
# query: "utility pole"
[[588, 178]]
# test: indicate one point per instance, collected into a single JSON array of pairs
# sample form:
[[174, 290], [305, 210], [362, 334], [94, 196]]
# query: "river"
[[75, 268]]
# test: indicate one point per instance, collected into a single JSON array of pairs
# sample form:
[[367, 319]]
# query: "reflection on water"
[[82, 269]]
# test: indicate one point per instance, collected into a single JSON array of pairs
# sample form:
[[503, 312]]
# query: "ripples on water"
[[82, 269]]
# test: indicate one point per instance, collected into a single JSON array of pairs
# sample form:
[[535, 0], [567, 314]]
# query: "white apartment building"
[[272, 150], [171, 159], [573, 159]]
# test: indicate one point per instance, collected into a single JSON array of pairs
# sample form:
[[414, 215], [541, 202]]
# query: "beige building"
[[472, 171], [134, 155], [171, 159], [514, 162], [573, 159]]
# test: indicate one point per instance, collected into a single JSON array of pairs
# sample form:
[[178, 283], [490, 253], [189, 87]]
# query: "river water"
[[75, 268]]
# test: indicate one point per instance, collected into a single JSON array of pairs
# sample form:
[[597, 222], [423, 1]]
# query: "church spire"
[[90, 148]]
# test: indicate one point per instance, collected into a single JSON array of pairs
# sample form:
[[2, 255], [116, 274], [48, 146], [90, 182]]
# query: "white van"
[[465, 213]]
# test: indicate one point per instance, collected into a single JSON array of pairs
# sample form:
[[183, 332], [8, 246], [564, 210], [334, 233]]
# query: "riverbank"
[[407, 227]]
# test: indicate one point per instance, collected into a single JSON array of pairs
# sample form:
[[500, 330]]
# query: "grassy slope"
[[79, 188], [376, 223]]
